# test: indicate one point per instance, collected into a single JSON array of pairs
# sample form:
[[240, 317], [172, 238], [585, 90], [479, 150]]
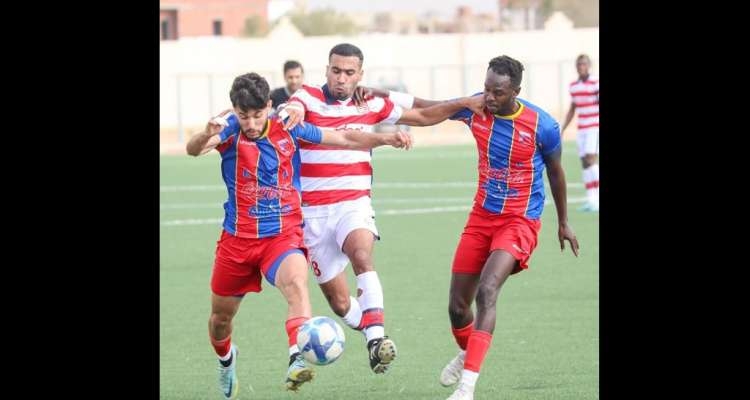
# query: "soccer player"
[[262, 229], [585, 99], [515, 142], [294, 75], [339, 218]]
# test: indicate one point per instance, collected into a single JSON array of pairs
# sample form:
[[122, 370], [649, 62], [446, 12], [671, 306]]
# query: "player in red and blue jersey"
[[262, 229], [516, 140]]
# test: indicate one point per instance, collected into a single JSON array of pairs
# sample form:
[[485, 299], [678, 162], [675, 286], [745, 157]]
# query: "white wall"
[[433, 66]]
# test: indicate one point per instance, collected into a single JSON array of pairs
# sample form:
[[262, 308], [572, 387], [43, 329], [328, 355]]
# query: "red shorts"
[[485, 232], [240, 261]]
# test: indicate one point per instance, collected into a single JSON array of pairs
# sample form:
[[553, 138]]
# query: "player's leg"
[[463, 289], [358, 247], [496, 270], [356, 233], [291, 280], [513, 241], [336, 292], [223, 310], [592, 165], [231, 278], [588, 148], [329, 265], [470, 255], [285, 266]]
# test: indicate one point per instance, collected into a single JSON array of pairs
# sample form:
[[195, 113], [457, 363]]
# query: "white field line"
[[406, 211], [376, 185], [375, 202]]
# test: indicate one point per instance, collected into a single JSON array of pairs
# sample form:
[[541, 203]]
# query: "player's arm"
[[357, 139], [556, 176], [442, 111], [404, 100], [351, 138], [203, 142], [569, 116]]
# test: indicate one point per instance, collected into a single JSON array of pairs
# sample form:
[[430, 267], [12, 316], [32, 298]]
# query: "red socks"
[[221, 347], [476, 349], [462, 334], [292, 326]]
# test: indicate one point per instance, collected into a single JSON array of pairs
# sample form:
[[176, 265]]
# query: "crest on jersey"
[[524, 137], [284, 146]]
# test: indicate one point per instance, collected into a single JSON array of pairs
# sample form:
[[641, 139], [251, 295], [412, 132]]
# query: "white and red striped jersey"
[[329, 174], [585, 95]]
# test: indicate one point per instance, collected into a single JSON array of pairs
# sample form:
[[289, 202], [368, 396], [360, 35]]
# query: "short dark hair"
[[249, 92], [291, 64], [504, 65], [347, 50]]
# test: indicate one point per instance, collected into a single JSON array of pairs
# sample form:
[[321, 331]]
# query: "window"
[[217, 27], [165, 30], [168, 24]]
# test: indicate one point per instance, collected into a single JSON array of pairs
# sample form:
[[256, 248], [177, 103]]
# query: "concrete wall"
[[434, 66]]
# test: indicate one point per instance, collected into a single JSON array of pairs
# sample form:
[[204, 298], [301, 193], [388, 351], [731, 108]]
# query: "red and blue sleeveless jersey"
[[262, 178], [511, 150]]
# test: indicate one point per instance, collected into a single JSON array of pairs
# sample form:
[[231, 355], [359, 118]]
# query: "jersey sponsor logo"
[[504, 175], [262, 210], [356, 127], [251, 190], [500, 190]]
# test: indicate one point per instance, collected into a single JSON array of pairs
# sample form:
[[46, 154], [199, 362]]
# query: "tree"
[[323, 22], [255, 27], [583, 13]]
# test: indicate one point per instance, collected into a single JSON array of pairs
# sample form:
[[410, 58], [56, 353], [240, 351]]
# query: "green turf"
[[546, 340]]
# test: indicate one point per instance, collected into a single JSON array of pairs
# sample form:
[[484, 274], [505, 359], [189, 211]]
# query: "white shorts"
[[325, 235], [588, 141]]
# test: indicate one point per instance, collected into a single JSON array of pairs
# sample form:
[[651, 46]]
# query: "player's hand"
[[216, 124], [400, 140], [476, 105], [361, 93], [564, 232], [296, 116]]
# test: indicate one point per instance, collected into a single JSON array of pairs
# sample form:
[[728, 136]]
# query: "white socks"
[[591, 182], [354, 315], [371, 301], [469, 378]]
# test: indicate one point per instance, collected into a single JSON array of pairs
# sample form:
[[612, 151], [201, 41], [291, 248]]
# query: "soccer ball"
[[321, 340]]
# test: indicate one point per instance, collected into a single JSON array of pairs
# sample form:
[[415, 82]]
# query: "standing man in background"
[[585, 99], [294, 75]]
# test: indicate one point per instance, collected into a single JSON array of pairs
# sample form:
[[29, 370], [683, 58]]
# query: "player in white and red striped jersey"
[[339, 219], [584, 93]]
